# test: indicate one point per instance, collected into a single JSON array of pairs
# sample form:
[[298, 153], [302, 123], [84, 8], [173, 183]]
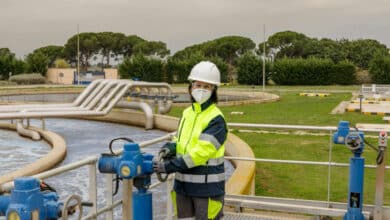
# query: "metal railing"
[[305, 206], [90, 162], [255, 202], [375, 91]]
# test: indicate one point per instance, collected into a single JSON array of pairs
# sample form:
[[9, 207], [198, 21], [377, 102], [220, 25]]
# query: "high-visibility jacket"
[[200, 149]]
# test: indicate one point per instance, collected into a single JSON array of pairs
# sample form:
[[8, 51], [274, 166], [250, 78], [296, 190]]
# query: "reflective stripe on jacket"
[[200, 149]]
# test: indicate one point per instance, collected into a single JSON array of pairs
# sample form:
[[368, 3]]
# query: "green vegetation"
[[28, 79], [293, 109], [307, 181], [302, 181]]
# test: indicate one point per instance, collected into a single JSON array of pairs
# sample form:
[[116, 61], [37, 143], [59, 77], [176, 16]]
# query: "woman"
[[199, 148]]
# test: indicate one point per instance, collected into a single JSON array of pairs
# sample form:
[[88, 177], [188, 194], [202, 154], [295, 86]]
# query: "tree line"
[[288, 55]]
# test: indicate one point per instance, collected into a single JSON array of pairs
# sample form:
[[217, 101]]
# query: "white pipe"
[[106, 99], [164, 107], [86, 91], [80, 98], [149, 124], [98, 94], [26, 132], [101, 96]]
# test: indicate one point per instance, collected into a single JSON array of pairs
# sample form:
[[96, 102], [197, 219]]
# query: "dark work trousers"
[[189, 207]]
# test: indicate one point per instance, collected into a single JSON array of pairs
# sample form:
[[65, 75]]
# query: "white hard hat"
[[205, 71]]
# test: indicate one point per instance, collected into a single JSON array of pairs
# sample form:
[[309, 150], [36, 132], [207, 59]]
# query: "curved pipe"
[[144, 107], [164, 107], [27, 132], [55, 156]]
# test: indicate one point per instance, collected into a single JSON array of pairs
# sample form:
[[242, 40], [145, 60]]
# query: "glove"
[[168, 150], [158, 166]]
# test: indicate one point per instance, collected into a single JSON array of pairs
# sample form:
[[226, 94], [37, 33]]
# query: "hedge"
[[250, 70], [312, 71], [28, 78]]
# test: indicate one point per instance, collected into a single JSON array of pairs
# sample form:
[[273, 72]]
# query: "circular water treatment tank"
[[17, 151]]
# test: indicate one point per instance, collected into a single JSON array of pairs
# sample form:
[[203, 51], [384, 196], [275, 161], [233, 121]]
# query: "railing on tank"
[[323, 208], [90, 162], [314, 207]]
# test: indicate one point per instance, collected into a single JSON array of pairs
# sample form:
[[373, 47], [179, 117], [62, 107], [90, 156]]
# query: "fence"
[[375, 91], [256, 202], [279, 202]]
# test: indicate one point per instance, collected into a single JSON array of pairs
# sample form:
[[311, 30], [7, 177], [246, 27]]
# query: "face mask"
[[201, 95]]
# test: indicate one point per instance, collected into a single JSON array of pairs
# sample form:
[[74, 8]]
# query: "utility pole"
[[264, 58], [78, 56]]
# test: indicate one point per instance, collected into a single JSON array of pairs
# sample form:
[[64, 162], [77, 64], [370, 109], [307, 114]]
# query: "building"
[[68, 76]]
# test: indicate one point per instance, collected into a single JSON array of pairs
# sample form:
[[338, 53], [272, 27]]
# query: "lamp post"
[[78, 56], [264, 57]]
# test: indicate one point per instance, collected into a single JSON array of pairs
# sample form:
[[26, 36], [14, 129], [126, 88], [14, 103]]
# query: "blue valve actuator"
[[28, 202], [342, 132], [131, 163]]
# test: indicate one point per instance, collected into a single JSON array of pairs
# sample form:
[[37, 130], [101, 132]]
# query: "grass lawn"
[[293, 109], [302, 181]]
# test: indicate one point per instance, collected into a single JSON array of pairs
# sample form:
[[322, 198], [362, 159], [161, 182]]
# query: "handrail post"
[[169, 199], [127, 200], [379, 189], [330, 165], [92, 189], [108, 193]]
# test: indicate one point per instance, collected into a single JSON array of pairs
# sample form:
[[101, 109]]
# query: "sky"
[[26, 25]]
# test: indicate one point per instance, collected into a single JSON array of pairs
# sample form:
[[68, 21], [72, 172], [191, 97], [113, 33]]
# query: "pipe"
[[98, 93], [105, 92], [164, 106], [144, 107], [79, 99], [26, 132], [106, 99]]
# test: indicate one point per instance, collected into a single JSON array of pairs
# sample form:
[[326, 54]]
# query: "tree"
[[229, 48], [61, 63], [106, 45], [143, 68], [9, 64], [109, 44], [88, 48], [360, 52], [126, 46], [149, 48], [285, 44], [189, 51], [37, 63], [380, 69], [52, 52]]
